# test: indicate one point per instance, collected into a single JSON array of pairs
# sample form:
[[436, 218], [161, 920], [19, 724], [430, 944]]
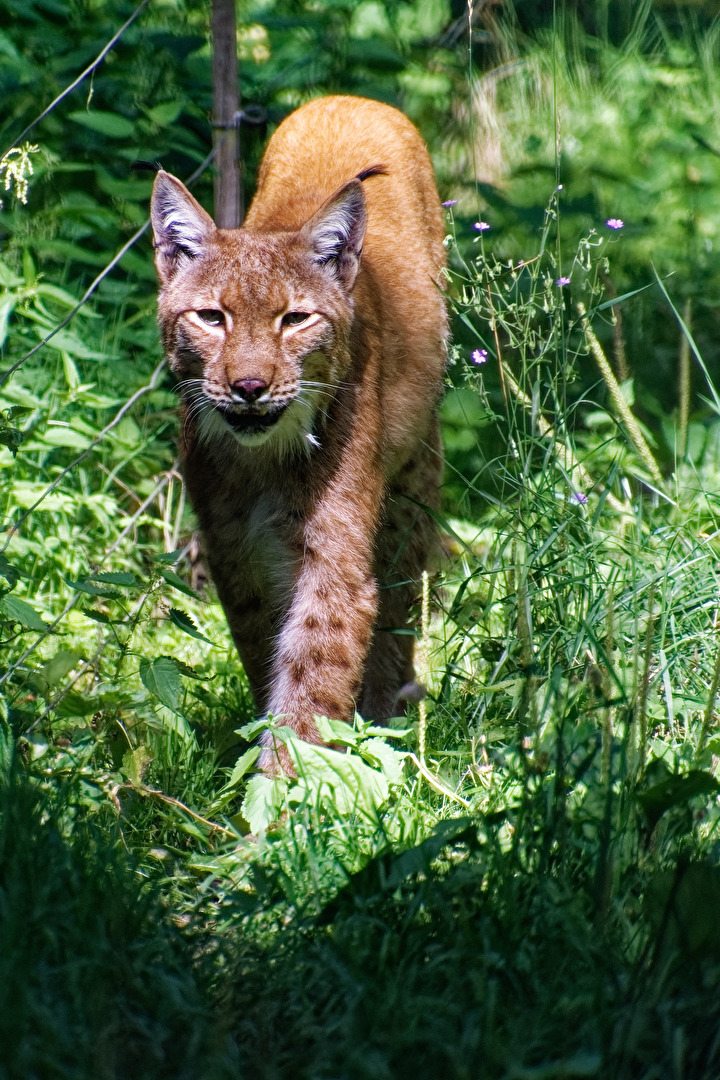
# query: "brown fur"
[[301, 519]]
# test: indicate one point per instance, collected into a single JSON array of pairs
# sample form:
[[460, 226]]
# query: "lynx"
[[310, 346]]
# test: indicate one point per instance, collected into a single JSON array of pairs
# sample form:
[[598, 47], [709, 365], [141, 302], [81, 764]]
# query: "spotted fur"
[[310, 347]]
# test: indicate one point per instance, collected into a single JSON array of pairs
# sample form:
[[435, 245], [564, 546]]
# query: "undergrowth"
[[518, 879]]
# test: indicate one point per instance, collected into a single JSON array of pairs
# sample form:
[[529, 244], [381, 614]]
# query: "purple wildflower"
[[479, 356], [481, 226], [578, 497], [450, 202], [562, 281], [614, 223]]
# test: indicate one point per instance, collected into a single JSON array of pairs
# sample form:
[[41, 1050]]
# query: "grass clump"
[[95, 980], [476, 962]]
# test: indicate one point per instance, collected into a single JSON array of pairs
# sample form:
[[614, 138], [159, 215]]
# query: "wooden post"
[[226, 103]]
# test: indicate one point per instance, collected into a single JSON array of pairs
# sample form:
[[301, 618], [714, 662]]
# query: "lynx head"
[[256, 323]]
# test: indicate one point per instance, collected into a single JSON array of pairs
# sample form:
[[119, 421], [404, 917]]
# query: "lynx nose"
[[248, 389]]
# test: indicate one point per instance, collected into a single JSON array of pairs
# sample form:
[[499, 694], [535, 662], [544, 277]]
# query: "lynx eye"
[[294, 318], [211, 317]]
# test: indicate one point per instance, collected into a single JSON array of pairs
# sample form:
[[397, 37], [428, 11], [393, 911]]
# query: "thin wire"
[[98, 439], [88, 71], [5, 375]]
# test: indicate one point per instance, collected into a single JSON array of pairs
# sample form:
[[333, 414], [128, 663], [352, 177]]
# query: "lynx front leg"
[[325, 637]]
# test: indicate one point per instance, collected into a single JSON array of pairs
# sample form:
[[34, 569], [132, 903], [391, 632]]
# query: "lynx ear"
[[181, 227], [335, 233]]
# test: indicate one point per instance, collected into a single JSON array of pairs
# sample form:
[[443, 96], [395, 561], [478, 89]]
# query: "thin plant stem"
[[684, 382], [616, 394], [423, 662], [524, 633], [645, 681], [607, 721], [564, 452], [437, 785], [710, 707]]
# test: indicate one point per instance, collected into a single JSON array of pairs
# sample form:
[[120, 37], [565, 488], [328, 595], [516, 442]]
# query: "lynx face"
[[256, 325]]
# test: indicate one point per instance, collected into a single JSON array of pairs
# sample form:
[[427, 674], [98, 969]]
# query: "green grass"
[[519, 881]]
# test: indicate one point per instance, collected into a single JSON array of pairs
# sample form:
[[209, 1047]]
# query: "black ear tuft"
[[146, 166], [373, 170], [181, 227]]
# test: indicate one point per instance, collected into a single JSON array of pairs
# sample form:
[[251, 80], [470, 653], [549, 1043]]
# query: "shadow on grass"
[[95, 980]]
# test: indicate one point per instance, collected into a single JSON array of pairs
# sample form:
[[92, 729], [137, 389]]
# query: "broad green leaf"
[[104, 122], [54, 670], [10, 436], [177, 583], [384, 732], [170, 557], [20, 395], [18, 610], [162, 678], [675, 791], [64, 436], [36, 744], [72, 375], [191, 672], [75, 703], [242, 766], [86, 586], [54, 292], [9, 279], [380, 755], [184, 622], [65, 341], [119, 577], [98, 401], [9, 572], [135, 763], [253, 729], [337, 731], [98, 616], [165, 113], [351, 785], [264, 801]]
